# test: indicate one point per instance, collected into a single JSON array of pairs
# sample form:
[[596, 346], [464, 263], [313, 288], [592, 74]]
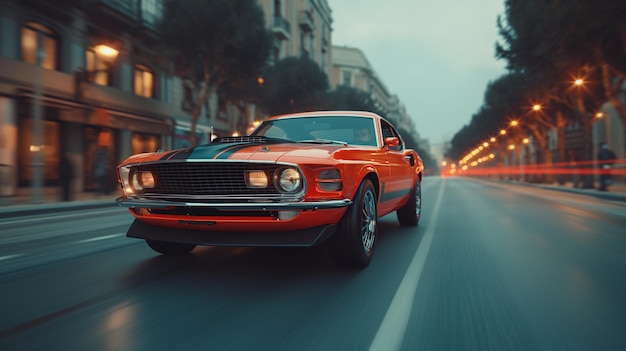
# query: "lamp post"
[[36, 147]]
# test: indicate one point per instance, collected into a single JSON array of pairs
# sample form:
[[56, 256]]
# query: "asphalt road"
[[490, 267]]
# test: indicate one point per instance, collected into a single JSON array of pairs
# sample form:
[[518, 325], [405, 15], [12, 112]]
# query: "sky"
[[437, 56]]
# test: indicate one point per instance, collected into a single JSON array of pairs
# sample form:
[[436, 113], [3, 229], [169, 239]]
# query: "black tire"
[[410, 213], [353, 243], [169, 248]]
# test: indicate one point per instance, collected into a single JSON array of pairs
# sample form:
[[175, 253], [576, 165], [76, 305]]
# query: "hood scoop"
[[241, 139]]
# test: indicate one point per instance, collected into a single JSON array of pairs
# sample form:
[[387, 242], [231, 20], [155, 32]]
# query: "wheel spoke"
[[368, 227]]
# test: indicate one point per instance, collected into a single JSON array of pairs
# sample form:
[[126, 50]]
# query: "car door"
[[400, 182]]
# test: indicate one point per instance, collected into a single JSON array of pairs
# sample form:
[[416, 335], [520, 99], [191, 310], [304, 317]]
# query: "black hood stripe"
[[231, 151], [208, 151]]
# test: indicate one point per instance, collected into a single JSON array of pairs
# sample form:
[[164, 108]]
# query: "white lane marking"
[[59, 216], [10, 257], [99, 238], [393, 327]]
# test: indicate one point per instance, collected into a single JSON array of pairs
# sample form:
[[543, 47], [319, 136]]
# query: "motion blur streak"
[[618, 168]]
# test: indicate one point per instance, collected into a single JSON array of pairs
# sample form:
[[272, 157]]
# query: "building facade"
[[301, 28], [78, 79]]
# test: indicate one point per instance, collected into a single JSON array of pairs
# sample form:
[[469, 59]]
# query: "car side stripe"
[[386, 196]]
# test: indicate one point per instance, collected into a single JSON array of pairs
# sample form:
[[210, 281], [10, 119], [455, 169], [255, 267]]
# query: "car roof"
[[327, 113]]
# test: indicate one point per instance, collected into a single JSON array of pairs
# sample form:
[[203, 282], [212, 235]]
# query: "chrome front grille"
[[207, 178]]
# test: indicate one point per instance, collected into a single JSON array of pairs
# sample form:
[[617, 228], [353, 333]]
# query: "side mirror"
[[392, 142]]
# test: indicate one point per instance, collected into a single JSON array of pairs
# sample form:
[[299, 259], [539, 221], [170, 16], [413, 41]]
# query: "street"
[[491, 266]]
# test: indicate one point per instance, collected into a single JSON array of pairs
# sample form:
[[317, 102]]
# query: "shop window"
[[144, 81], [50, 149], [98, 141], [39, 38], [145, 143]]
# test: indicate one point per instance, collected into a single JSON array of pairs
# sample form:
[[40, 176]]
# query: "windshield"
[[352, 130]]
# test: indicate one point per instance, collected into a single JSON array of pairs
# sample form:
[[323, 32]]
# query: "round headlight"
[[142, 180], [289, 180]]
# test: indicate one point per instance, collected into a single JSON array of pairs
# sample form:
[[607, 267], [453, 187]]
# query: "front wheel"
[[353, 243], [410, 213], [169, 248]]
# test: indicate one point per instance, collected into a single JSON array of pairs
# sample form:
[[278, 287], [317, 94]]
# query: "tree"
[[293, 84], [556, 41], [215, 44]]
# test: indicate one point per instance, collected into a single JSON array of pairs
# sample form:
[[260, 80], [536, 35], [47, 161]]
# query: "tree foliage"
[[556, 41], [215, 45], [293, 84], [547, 44]]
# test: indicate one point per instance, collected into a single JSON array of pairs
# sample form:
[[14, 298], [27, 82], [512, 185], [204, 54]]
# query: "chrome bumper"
[[245, 206]]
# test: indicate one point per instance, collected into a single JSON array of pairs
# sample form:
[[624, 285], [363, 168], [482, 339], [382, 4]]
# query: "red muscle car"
[[297, 180]]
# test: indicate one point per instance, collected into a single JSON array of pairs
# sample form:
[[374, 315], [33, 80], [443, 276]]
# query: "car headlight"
[[142, 180], [289, 180], [256, 179]]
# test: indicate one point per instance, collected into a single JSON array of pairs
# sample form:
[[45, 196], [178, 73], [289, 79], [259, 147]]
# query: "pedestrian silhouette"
[[573, 163], [67, 176], [101, 170], [606, 158]]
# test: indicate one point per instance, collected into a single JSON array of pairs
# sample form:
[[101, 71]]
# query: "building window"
[[151, 12], [222, 110], [102, 72], [278, 8], [144, 81], [188, 94], [346, 78], [38, 38]]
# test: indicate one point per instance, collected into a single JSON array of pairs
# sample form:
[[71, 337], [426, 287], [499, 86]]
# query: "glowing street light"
[[536, 107], [485, 144], [511, 147], [599, 115], [579, 82], [526, 141], [503, 132], [493, 139], [514, 123]]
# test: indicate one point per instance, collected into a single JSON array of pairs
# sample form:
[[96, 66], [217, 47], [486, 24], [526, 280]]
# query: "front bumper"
[[304, 237], [238, 206]]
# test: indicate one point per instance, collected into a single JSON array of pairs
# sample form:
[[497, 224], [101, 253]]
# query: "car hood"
[[245, 151]]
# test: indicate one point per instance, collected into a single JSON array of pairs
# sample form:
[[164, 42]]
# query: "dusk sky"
[[437, 56]]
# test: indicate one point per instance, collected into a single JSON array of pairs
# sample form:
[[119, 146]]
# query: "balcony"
[[281, 28], [305, 20], [129, 8], [140, 16]]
